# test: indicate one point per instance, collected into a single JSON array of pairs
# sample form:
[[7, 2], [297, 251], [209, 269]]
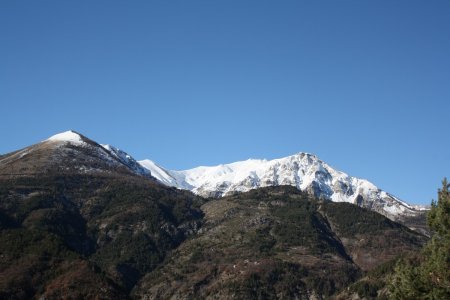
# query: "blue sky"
[[365, 85]]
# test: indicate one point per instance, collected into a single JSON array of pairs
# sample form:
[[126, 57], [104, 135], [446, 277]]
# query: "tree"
[[427, 276], [439, 215]]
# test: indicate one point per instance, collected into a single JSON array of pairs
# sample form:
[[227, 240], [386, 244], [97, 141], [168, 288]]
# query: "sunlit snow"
[[303, 170], [67, 136]]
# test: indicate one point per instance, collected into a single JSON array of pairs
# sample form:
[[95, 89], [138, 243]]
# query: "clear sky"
[[365, 85]]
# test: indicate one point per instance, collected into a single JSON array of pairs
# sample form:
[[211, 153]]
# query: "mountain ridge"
[[302, 170], [305, 171]]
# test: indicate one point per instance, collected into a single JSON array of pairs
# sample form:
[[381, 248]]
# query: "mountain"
[[303, 171], [80, 220], [69, 152], [72, 152]]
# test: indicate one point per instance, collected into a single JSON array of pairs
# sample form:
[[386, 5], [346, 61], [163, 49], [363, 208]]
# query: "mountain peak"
[[71, 152], [70, 136], [307, 155], [302, 170]]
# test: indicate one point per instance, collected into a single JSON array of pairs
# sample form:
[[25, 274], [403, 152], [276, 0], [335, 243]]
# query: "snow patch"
[[67, 137]]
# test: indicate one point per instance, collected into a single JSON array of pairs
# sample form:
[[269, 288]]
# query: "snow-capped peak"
[[68, 136], [302, 170], [110, 155]]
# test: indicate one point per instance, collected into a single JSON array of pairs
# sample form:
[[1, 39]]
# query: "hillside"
[[276, 243], [110, 230]]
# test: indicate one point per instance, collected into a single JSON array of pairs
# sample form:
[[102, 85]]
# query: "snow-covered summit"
[[95, 154], [302, 170], [70, 136]]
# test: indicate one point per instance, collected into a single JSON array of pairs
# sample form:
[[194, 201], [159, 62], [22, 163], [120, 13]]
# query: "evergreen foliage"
[[427, 276]]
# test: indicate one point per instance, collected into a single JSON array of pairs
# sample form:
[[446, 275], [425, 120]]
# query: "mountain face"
[[304, 171], [69, 152], [127, 160], [81, 220]]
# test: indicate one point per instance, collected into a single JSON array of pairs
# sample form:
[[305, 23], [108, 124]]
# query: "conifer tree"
[[427, 276], [439, 215]]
